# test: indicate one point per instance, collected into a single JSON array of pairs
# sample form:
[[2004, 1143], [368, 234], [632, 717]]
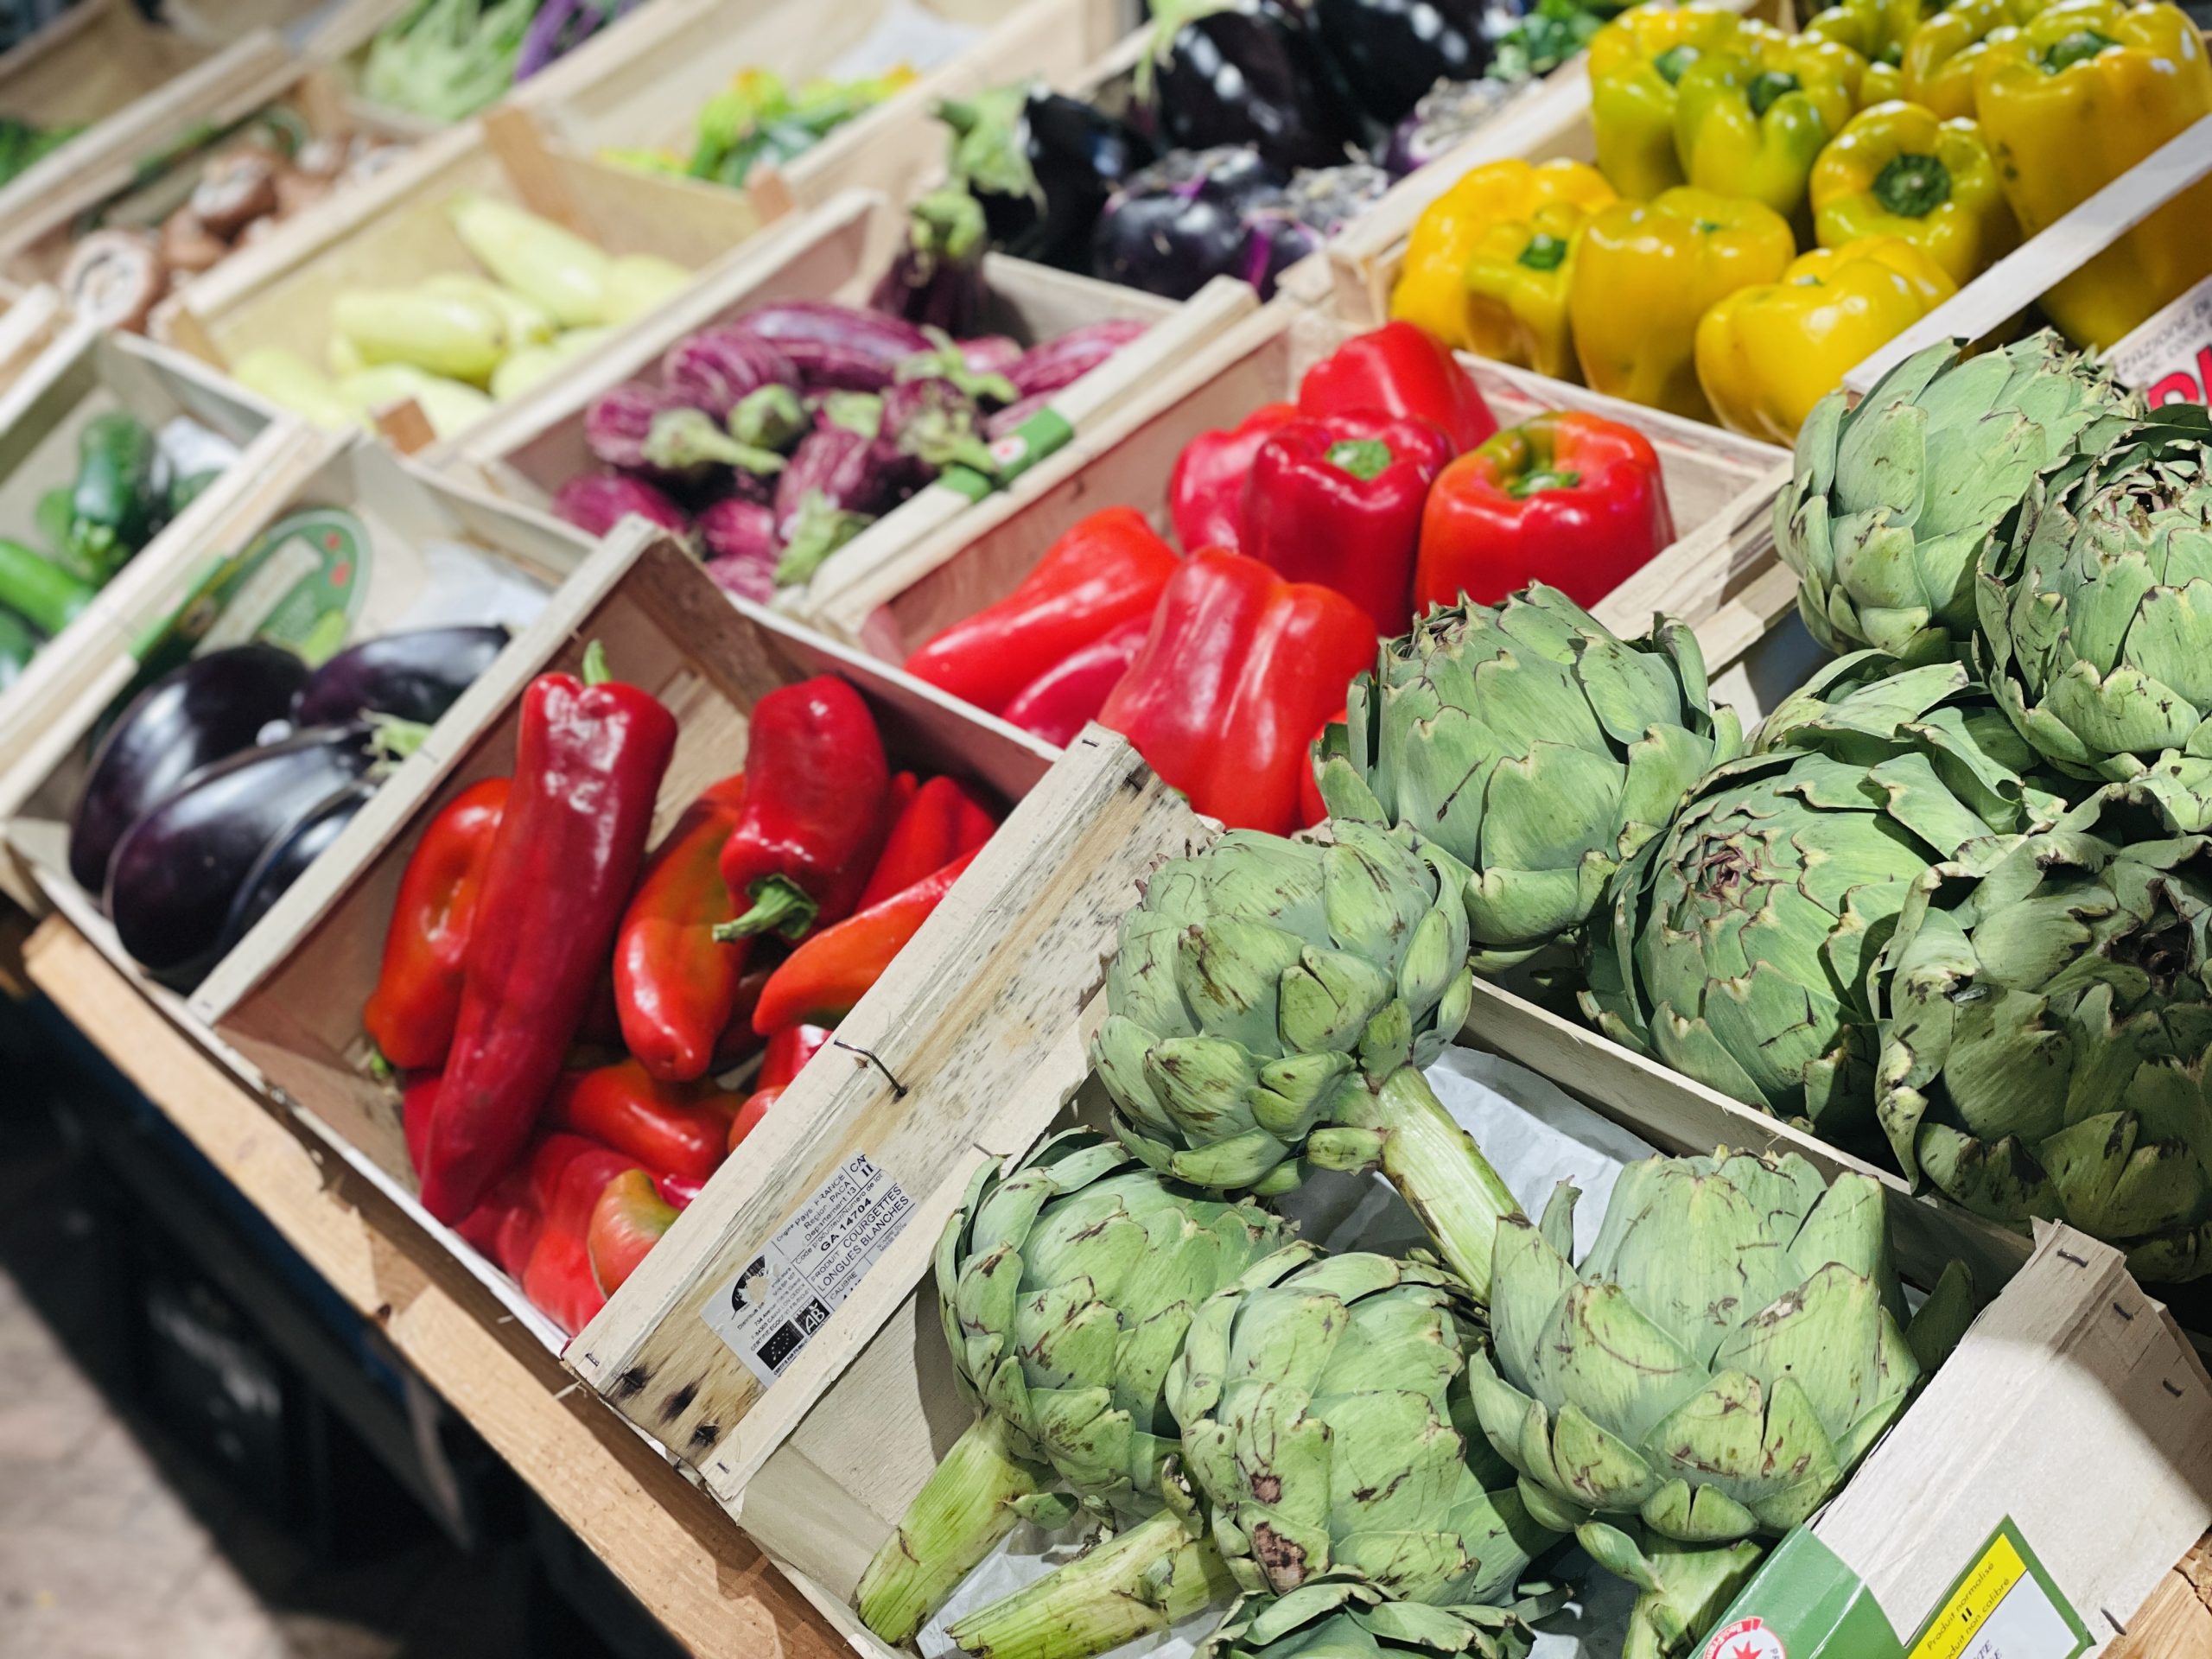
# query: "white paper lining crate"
[[293, 1010], [530, 447], [79, 374], [891, 604], [413, 522], [396, 229]]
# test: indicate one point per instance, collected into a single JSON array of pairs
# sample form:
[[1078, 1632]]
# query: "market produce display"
[[454, 343], [135, 250], [761, 120], [772, 439], [569, 1014], [445, 60], [1308, 532], [1767, 210]]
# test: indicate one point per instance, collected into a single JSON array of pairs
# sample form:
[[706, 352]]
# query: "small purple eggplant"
[[595, 502], [715, 368], [837, 481], [740, 546], [416, 675], [685, 442], [1446, 116], [212, 707], [836, 346], [1064, 361], [936, 280], [619, 420], [1284, 227], [1008, 420], [990, 354], [928, 425]]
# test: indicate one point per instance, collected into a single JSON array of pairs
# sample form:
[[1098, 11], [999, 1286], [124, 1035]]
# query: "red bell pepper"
[[824, 977], [1399, 370], [1205, 489], [1569, 498], [410, 1015], [678, 1129], [814, 817], [1238, 670], [589, 754], [1060, 703], [628, 1220], [943, 821], [1103, 571], [1337, 499], [675, 987]]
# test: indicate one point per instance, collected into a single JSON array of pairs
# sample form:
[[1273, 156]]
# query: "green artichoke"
[[1536, 748], [1741, 939], [1891, 498], [1270, 1008], [1730, 1347], [1340, 1618], [2094, 602], [1065, 1286], [1328, 1446], [2048, 1032]]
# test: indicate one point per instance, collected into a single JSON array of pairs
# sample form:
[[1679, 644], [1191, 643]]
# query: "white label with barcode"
[[775, 1304]]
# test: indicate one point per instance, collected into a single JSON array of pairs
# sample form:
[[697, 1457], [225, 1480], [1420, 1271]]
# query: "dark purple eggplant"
[[595, 502], [212, 707], [741, 549], [836, 346], [715, 368], [1062, 362], [1041, 165], [1175, 227], [935, 279], [286, 859], [1440, 121], [176, 875], [416, 675], [1246, 71], [1284, 227], [1388, 53]]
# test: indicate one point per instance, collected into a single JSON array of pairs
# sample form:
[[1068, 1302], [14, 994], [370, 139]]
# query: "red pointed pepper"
[[677, 1192], [1206, 487], [675, 987], [944, 820], [567, 1175], [678, 1129], [1064, 699], [627, 1221], [589, 754], [789, 1050], [824, 977], [1338, 499], [1569, 498], [1103, 571], [1239, 669], [410, 1015], [1399, 370], [815, 809]]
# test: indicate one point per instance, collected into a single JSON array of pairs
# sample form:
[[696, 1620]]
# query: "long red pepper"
[[943, 821], [557, 1278], [676, 985], [677, 1128], [1067, 697], [814, 815], [589, 755], [821, 980], [410, 1015], [628, 1220], [789, 1050]]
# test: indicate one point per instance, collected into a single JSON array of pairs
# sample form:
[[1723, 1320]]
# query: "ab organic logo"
[[1747, 1638]]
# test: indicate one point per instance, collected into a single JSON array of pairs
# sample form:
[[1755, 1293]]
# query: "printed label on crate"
[[1747, 1638], [296, 586], [787, 1292], [2004, 1606], [2169, 359]]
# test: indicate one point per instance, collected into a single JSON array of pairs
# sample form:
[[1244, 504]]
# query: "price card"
[[2169, 359], [2004, 1606]]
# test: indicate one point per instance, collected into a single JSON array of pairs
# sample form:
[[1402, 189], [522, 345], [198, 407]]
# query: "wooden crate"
[[899, 1090], [641, 85], [99, 57], [394, 229], [901, 601], [407, 517], [530, 447], [29, 319], [79, 374]]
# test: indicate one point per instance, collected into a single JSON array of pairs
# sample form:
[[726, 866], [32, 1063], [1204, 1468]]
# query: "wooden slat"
[[2176, 1622], [687, 1562]]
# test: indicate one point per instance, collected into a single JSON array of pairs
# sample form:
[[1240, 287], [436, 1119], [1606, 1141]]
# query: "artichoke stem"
[[962, 1510], [1439, 1170], [1139, 1582]]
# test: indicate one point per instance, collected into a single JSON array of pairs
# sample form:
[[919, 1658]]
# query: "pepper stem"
[[1544, 253], [1912, 186], [1141, 1581], [2077, 47], [1530, 484], [1365, 459], [1675, 61], [956, 1520], [595, 671], [779, 905], [1768, 86]]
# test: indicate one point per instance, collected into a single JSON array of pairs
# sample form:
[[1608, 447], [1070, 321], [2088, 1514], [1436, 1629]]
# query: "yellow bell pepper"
[[1647, 270], [1882, 83], [1516, 288], [1751, 123], [2070, 100], [1896, 170], [1942, 54], [1765, 355], [1432, 289], [1636, 62], [1876, 29]]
